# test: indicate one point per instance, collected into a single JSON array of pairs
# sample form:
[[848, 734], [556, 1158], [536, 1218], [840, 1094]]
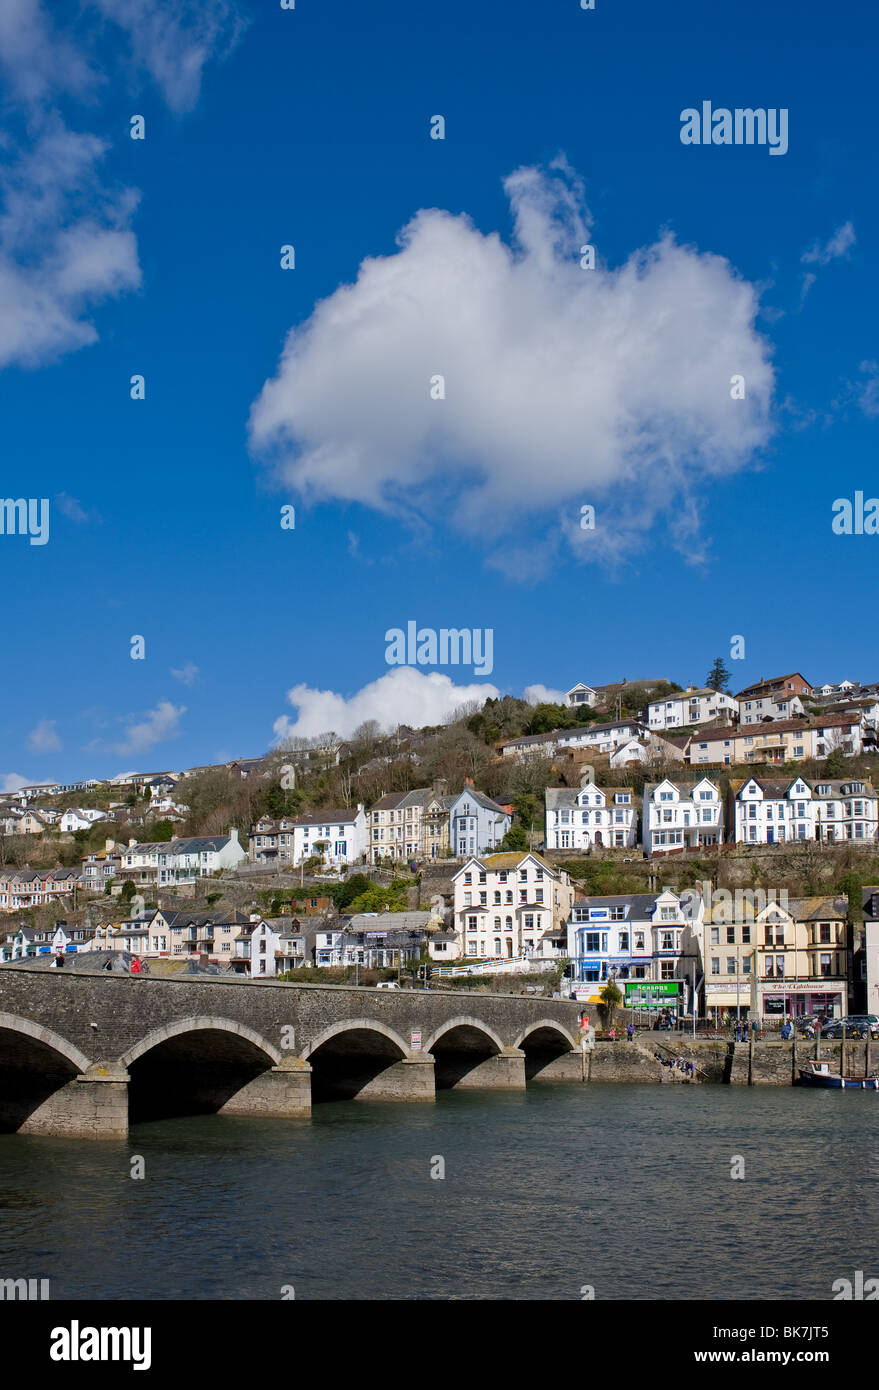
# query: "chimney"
[[233, 834], [108, 845], [468, 781], [132, 842], [440, 786]]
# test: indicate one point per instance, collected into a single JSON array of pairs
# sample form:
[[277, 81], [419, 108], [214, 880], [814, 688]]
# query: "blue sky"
[[267, 127]]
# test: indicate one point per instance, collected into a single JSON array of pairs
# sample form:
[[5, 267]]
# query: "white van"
[[387, 984]]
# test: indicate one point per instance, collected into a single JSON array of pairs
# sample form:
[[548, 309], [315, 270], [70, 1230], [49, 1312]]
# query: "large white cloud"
[[563, 385], [404, 695]]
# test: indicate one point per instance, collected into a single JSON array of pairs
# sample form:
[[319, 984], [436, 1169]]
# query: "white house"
[[581, 694], [777, 705], [692, 706], [512, 906], [681, 815], [603, 817], [476, 823], [650, 749], [76, 819], [181, 860], [768, 812], [341, 835]]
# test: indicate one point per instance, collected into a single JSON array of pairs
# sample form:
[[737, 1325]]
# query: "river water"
[[624, 1188]]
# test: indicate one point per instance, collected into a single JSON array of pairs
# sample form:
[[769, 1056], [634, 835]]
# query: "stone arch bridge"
[[80, 1054]]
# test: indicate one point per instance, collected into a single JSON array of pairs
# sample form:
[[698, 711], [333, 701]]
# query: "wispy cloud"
[[43, 738], [73, 509], [543, 695], [66, 237], [13, 782], [157, 726], [187, 674], [822, 253]]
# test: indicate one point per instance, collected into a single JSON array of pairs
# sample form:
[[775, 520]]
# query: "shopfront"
[[800, 997]]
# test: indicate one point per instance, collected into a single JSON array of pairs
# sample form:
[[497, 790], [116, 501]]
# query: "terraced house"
[[681, 815], [512, 906], [637, 939], [603, 817], [180, 860], [20, 888], [410, 825], [337, 836], [764, 812], [800, 958]]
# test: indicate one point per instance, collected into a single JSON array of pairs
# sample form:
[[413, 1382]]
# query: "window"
[[592, 940], [715, 936], [730, 965], [715, 965], [667, 941]]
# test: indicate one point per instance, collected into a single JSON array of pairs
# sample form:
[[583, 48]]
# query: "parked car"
[[856, 1026], [387, 984], [833, 1031]]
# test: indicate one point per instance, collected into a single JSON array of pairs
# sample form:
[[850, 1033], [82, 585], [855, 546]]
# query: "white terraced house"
[[765, 812], [681, 815], [603, 817], [181, 860], [692, 706], [339, 836], [512, 906]]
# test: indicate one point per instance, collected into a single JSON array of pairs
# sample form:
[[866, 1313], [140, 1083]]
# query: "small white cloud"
[[404, 696], [43, 738], [12, 782], [543, 695], [841, 242], [157, 726], [186, 674]]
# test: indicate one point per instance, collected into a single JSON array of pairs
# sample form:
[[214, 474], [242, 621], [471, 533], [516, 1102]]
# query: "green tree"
[[344, 893], [718, 676], [515, 838], [835, 764], [129, 888], [161, 830], [611, 998]]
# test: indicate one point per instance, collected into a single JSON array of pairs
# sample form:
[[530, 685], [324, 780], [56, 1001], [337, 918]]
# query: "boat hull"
[[834, 1082]]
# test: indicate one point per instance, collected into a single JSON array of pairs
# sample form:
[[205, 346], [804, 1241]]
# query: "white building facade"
[[599, 817], [681, 815]]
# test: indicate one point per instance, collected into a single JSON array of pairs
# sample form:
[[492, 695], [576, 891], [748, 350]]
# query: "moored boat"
[[819, 1074]]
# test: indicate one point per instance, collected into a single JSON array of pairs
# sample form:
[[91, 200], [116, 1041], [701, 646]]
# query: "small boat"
[[819, 1074]]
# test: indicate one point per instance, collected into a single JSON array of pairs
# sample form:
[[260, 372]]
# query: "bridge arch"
[[473, 1027], [545, 1027], [364, 1059], [198, 1065], [12, 1023], [38, 1072], [357, 1025], [199, 1023]]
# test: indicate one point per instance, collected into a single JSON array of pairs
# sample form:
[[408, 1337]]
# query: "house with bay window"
[[637, 940], [767, 812], [681, 815], [511, 906], [338, 836], [580, 818], [476, 823]]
